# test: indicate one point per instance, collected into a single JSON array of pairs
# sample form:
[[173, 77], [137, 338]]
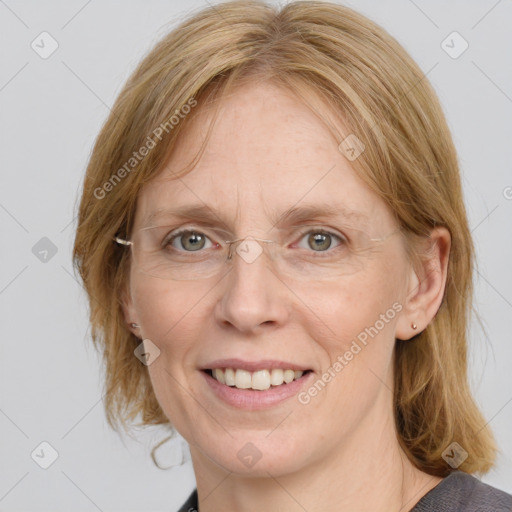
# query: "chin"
[[256, 455]]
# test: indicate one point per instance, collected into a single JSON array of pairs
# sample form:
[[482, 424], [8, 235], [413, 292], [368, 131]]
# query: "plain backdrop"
[[51, 111]]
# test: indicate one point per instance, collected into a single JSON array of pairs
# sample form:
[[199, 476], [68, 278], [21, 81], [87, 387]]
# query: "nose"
[[253, 295]]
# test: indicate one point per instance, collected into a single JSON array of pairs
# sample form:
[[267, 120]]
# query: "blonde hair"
[[319, 51]]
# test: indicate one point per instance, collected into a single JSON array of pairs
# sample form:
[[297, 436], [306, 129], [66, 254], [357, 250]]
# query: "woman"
[[277, 255]]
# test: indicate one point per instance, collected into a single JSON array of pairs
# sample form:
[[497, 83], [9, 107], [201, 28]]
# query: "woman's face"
[[269, 153]]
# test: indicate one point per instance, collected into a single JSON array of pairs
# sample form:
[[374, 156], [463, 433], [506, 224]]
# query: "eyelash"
[[175, 235]]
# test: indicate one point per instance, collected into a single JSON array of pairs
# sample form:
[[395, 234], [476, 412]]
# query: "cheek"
[[169, 311], [350, 306], [354, 334], [355, 349]]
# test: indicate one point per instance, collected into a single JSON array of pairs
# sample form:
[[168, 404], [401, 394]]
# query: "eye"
[[320, 240], [188, 240]]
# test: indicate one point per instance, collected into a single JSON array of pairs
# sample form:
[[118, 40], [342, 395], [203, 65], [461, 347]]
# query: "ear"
[[426, 286], [128, 308]]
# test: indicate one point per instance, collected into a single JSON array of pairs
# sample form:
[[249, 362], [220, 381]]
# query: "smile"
[[260, 380]]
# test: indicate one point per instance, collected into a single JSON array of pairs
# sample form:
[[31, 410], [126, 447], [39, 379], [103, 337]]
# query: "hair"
[[317, 51]]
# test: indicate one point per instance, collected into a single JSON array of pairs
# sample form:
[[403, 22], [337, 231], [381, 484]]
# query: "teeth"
[[276, 378], [243, 379], [260, 380], [288, 375], [229, 376], [219, 375]]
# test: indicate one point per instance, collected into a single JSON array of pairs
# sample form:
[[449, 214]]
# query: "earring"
[[414, 326], [134, 325]]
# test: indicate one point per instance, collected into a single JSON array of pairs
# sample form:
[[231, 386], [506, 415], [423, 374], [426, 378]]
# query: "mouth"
[[259, 380], [254, 385]]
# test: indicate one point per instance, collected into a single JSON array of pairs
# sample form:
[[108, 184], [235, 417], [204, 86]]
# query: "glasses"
[[186, 254]]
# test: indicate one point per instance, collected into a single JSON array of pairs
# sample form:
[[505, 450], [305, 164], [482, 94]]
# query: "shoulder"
[[191, 504], [461, 492], [458, 492]]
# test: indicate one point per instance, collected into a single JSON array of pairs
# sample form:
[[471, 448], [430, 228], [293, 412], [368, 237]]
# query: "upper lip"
[[252, 366]]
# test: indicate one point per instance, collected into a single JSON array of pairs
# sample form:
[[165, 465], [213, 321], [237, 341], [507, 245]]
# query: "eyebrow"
[[296, 214], [291, 216]]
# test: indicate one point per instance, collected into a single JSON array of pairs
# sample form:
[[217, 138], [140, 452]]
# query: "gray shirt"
[[458, 492], [461, 492]]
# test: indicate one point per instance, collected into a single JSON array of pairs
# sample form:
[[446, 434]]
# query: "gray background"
[[52, 109]]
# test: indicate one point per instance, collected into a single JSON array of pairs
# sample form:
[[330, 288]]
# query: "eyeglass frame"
[[122, 241], [128, 243]]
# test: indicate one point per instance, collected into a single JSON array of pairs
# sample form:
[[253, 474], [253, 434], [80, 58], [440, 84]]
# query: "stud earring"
[[134, 325], [414, 326]]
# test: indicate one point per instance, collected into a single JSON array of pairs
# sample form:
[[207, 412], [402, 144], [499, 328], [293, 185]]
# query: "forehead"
[[267, 153]]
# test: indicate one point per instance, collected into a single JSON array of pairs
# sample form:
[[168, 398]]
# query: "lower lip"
[[251, 399]]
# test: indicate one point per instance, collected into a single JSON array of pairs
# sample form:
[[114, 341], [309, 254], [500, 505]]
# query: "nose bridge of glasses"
[[248, 248]]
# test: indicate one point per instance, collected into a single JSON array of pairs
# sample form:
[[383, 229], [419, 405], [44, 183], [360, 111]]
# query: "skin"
[[268, 152]]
